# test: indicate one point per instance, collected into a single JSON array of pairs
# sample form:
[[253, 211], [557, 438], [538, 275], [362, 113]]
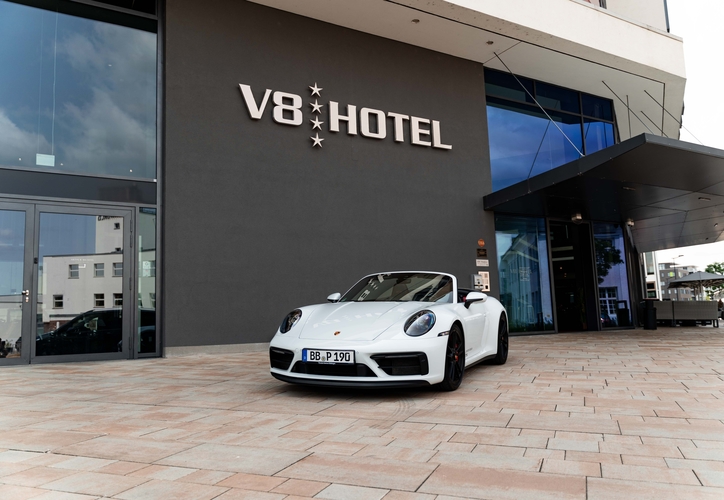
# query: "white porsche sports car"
[[397, 329]]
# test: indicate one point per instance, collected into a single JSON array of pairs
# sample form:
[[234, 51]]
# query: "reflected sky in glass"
[[82, 92], [527, 144]]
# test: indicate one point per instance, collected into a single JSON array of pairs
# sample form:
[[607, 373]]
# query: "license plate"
[[328, 357]]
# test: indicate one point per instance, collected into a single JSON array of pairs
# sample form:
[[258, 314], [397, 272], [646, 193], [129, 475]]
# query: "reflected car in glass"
[[98, 330], [395, 329]]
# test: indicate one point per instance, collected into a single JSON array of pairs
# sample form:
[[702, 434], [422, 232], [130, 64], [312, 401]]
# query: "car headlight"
[[290, 320], [420, 323]]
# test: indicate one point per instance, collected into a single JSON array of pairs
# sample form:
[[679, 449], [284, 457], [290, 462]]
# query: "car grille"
[[356, 370], [280, 358], [405, 363]]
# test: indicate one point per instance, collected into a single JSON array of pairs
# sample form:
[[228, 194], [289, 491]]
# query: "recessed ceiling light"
[[415, 21], [704, 198], [626, 188], [490, 42]]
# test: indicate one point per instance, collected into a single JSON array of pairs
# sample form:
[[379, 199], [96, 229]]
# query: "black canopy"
[[672, 191]]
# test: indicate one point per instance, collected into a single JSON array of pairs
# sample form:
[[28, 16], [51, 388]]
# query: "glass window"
[[597, 107], [146, 339], [504, 85], [554, 97], [598, 135], [525, 286], [117, 269], [146, 6], [613, 290], [76, 95], [57, 302], [117, 300], [73, 271], [524, 142], [81, 327], [99, 270]]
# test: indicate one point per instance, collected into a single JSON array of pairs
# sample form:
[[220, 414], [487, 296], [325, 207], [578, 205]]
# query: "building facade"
[[202, 168]]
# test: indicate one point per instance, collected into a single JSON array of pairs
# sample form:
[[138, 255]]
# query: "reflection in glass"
[[599, 135], [12, 259], [597, 107], [612, 278], [76, 95], [525, 288], [505, 85], [524, 142], [554, 97], [146, 338], [77, 323]]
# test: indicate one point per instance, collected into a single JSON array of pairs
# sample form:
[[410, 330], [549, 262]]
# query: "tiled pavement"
[[616, 415]]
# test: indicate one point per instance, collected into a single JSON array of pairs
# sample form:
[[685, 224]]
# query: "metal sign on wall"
[[286, 109]]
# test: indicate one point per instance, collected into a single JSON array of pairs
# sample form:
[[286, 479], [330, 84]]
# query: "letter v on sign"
[[254, 111]]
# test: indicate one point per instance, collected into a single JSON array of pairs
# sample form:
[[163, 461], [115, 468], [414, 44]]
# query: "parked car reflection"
[[99, 330]]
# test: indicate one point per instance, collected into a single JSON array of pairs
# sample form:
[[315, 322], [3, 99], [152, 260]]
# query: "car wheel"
[[502, 356], [454, 360]]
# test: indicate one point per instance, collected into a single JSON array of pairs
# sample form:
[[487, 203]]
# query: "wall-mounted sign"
[[482, 262], [482, 253], [481, 281], [286, 109]]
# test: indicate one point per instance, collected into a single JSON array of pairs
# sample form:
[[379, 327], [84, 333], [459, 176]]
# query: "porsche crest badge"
[[336, 333]]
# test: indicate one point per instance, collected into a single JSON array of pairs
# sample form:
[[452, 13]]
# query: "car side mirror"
[[474, 297], [334, 297]]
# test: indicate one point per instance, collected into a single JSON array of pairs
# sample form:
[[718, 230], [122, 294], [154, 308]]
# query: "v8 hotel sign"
[[288, 109]]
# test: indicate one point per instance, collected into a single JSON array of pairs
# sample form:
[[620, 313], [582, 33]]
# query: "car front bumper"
[[378, 363]]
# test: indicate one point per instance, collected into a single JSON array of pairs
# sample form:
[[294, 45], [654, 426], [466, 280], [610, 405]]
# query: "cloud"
[[16, 143], [108, 125]]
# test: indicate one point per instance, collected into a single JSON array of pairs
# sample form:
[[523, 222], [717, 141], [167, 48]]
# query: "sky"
[[699, 23]]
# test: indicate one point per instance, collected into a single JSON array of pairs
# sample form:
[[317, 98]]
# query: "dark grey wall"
[[257, 222]]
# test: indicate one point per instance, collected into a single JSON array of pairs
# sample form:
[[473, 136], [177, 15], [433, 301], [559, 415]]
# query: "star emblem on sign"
[[315, 90], [316, 107], [316, 124], [316, 140]]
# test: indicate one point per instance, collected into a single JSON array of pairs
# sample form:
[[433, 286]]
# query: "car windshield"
[[402, 287]]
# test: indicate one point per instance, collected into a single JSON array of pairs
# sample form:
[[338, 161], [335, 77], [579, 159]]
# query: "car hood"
[[356, 320]]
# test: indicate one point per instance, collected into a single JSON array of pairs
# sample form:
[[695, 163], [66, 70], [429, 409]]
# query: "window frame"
[[116, 267]]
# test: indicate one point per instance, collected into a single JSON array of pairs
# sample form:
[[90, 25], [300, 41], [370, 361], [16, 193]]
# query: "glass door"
[[15, 279], [82, 287]]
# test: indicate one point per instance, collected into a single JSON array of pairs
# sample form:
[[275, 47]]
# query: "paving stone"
[[235, 459], [360, 471], [170, 489], [615, 489], [94, 483], [336, 491], [473, 482], [300, 487]]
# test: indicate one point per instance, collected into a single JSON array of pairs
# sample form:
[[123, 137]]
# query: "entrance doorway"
[[65, 291], [572, 261]]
